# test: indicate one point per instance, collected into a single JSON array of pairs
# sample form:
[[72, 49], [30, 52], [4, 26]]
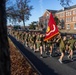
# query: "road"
[[47, 65]]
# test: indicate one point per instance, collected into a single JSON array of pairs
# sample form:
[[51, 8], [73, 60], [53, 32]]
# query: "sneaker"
[[68, 57], [60, 61], [71, 59], [37, 49], [49, 55], [41, 56]]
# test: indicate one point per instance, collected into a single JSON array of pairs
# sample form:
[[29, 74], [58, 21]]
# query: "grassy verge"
[[19, 64]]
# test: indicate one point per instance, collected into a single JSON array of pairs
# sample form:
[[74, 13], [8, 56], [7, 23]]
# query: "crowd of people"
[[35, 41]]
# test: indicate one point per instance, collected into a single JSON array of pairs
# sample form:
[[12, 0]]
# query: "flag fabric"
[[52, 29]]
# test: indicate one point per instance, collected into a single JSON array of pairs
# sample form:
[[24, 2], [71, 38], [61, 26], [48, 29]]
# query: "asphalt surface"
[[47, 65]]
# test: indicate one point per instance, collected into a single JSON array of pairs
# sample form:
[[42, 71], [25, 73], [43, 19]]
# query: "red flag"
[[52, 29]]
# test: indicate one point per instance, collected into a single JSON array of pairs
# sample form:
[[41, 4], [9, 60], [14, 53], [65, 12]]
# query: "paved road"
[[47, 65]]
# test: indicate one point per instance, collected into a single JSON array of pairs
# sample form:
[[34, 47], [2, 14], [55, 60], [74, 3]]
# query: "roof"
[[71, 7], [67, 8], [64, 9], [53, 11]]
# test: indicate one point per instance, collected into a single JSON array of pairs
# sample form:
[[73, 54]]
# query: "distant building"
[[67, 17], [43, 20]]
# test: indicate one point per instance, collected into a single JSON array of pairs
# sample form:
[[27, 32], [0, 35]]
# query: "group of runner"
[[35, 41]]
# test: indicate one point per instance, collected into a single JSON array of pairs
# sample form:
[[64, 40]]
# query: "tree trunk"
[[4, 46], [24, 24]]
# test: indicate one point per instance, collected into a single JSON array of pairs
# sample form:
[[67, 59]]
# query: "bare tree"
[[24, 10], [12, 14], [4, 46], [20, 11], [65, 3]]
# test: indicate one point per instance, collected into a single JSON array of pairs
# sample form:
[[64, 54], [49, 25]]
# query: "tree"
[[12, 14], [20, 11], [24, 10], [62, 23], [65, 3], [16, 27], [4, 46], [33, 25], [56, 20]]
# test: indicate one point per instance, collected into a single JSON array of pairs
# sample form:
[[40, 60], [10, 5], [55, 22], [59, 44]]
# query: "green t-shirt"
[[71, 41], [62, 45]]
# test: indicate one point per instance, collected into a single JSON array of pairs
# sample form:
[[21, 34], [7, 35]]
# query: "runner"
[[74, 48], [62, 48], [41, 45], [34, 42], [71, 41], [37, 42], [44, 44], [49, 47]]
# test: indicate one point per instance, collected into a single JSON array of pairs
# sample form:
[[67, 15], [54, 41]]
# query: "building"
[[67, 17], [43, 20]]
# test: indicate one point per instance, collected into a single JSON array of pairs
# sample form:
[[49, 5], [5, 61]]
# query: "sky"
[[40, 6]]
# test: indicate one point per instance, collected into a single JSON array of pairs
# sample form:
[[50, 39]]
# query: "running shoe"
[[60, 61]]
